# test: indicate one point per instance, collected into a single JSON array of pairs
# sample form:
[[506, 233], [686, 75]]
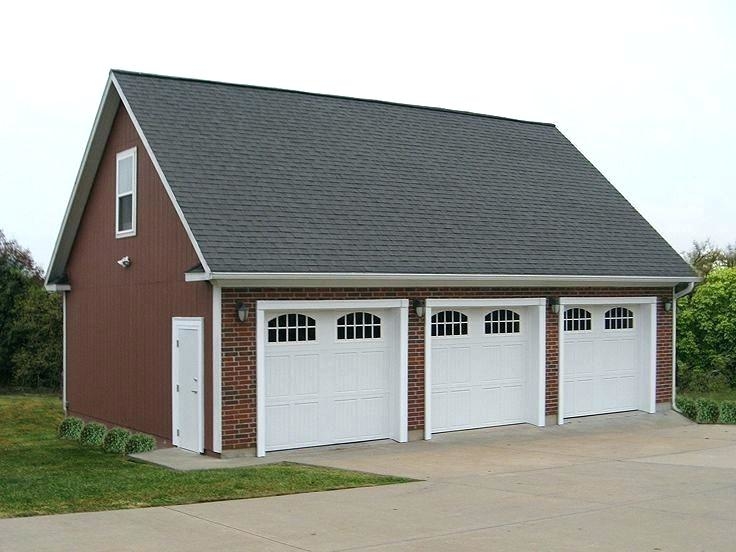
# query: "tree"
[[704, 257], [30, 321], [706, 333]]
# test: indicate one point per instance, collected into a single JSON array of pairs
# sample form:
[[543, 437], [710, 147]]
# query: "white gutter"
[[273, 279], [675, 296]]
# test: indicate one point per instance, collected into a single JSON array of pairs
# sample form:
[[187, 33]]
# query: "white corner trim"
[[607, 300], [504, 302], [260, 384], [542, 389], [427, 372], [653, 358], [216, 369], [560, 366], [160, 172], [404, 373], [320, 304], [63, 354]]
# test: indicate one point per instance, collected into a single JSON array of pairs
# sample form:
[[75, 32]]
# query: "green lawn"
[[40, 474], [722, 395]]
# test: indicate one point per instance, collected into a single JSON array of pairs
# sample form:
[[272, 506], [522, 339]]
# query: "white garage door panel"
[[328, 390], [479, 379], [602, 368]]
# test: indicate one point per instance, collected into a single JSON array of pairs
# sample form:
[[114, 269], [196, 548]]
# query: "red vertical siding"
[[119, 320], [239, 350]]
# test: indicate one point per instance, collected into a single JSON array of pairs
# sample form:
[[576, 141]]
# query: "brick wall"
[[239, 349]]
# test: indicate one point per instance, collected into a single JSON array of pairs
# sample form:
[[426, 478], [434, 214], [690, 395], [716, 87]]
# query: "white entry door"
[[605, 360], [330, 377], [481, 365], [187, 376]]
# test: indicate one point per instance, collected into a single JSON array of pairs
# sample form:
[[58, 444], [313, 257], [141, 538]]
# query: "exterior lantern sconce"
[[418, 305], [554, 304], [667, 304], [242, 310]]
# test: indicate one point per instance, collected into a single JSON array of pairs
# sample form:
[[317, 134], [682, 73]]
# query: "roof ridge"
[[335, 96]]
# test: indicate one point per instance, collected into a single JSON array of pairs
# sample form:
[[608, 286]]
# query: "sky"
[[646, 90]]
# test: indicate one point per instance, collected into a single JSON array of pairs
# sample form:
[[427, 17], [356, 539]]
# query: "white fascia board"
[[58, 287], [608, 300], [332, 304], [160, 172], [82, 184], [504, 302], [358, 279]]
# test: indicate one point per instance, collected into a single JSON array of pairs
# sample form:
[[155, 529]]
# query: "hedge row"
[[96, 435], [707, 411]]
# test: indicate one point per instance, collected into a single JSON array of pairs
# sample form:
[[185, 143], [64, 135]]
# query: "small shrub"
[[728, 412], [71, 428], [707, 411], [115, 440], [140, 442], [93, 435], [686, 406]]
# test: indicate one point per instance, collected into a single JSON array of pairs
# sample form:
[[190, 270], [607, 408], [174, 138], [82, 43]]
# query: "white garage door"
[[329, 377], [604, 359], [481, 365]]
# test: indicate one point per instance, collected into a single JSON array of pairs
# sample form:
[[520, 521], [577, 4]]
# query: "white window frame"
[[132, 152]]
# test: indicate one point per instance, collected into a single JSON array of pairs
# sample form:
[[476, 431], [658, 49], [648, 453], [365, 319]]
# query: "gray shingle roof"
[[279, 181]]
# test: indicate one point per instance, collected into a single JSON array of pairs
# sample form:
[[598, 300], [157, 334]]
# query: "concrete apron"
[[621, 482]]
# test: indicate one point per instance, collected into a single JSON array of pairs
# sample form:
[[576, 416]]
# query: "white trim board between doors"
[[537, 311], [264, 307]]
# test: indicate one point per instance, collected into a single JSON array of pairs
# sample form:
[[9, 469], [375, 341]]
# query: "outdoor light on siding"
[[667, 304], [124, 262], [554, 304], [418, 305], [242, 310]]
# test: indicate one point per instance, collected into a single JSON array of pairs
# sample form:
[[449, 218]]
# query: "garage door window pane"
[[578, 320], [503, 321], [619, 318], [447, 323], [359, 325], [291, 328]]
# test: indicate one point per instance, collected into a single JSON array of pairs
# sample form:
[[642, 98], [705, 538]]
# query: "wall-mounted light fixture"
[[242, 310], [667, 304], [418, 305], [124, 262], [554, 304]]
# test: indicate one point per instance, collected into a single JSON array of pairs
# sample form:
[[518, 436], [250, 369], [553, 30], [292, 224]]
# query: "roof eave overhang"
[[360, 279]]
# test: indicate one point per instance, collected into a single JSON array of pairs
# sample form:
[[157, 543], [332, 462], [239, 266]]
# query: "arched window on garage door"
[[619, 318], [578, 320], [359, 325], [503, 321], [448, 323], [292, 327]]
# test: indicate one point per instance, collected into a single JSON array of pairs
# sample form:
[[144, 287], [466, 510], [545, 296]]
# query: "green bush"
[[707, 411], [93, 435], [71, 428], [728, 412], [686, 406], [139, 442], [115, 440]]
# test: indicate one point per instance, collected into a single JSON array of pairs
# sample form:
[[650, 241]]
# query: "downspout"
[[63, 354], [675, 296]]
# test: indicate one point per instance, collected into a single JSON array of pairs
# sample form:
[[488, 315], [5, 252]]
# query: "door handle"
[[194, 391]]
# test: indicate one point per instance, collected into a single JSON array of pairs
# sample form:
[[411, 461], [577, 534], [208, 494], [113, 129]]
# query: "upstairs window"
[[125, 197], [578, 320], [447, 323], [503, 321], [359, 325], [291, 327], [619, 318]]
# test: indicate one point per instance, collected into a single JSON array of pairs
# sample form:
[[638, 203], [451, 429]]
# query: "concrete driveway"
[[619, 482]]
